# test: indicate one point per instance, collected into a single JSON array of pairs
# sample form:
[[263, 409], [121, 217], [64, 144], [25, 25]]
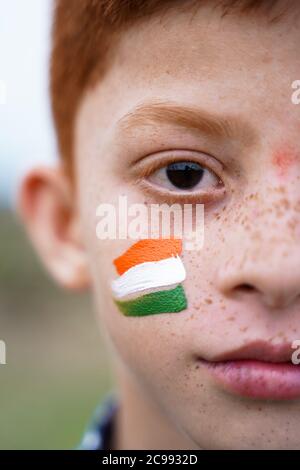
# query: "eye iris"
[[184, 175]]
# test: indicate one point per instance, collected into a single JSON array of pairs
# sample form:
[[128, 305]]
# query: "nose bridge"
[[263, 253]]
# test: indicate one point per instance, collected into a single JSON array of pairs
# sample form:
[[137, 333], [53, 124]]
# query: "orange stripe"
[[148, 250]]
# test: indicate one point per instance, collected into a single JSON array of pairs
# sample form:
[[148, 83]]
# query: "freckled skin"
[[244, 284]]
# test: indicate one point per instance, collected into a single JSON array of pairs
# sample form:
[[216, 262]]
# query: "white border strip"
[[149, 275]]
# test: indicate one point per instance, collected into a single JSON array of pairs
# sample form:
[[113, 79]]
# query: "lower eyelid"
[[204, 197]]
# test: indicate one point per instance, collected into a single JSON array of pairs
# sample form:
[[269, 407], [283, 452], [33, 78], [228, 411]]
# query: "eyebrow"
[[188, 117]]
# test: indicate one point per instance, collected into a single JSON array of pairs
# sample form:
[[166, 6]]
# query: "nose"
[[276, 289], [268, 271]]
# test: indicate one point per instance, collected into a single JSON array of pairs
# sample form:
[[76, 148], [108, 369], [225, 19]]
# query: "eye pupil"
[[184, 175]]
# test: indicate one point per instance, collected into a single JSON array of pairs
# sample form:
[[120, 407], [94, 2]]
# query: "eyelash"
[[156, 163]]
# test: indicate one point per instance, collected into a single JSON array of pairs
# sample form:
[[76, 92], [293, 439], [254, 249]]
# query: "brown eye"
[[184, 175]]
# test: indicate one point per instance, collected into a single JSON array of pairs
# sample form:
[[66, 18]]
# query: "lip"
[[257, 370]]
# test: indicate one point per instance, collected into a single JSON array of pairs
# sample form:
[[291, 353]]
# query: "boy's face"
[[243, 286]]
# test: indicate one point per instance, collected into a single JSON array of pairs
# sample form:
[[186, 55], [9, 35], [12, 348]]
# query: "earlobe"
[[47, 205]]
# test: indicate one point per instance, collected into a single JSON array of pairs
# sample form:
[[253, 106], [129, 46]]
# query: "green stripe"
[[164, 301]]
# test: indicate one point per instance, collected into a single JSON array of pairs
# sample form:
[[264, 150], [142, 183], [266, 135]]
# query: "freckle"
[[208, 301], [285, 203], [244, 329], [231, 319], [256, 235]]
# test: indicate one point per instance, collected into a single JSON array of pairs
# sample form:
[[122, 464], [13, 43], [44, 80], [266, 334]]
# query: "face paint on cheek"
[[150, 277]]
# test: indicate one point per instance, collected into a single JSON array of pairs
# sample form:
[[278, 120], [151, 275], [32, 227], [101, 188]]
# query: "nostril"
[[245, 287]]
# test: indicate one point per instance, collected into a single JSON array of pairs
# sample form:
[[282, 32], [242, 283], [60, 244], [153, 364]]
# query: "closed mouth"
[[257, 370]]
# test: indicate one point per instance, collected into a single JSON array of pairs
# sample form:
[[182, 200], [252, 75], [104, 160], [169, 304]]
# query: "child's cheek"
[[150, 279]]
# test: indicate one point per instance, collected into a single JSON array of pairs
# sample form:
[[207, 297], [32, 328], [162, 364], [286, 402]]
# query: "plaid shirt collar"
[[98, 435]]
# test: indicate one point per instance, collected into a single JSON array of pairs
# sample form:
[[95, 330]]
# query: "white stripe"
[[149, 275]]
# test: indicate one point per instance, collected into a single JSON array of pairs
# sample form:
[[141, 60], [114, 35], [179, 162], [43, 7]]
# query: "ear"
[[47, 205]]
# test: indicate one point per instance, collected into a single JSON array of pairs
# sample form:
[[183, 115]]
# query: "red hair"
[[83, 36]]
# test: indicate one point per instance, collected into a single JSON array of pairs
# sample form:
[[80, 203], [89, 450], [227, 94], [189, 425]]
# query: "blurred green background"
[[57, 367]]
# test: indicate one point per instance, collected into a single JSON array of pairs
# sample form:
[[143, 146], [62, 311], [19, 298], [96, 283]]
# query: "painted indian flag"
[[150, 277]]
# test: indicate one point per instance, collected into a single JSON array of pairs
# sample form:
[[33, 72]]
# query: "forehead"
[[192, 44], [201, 58]]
